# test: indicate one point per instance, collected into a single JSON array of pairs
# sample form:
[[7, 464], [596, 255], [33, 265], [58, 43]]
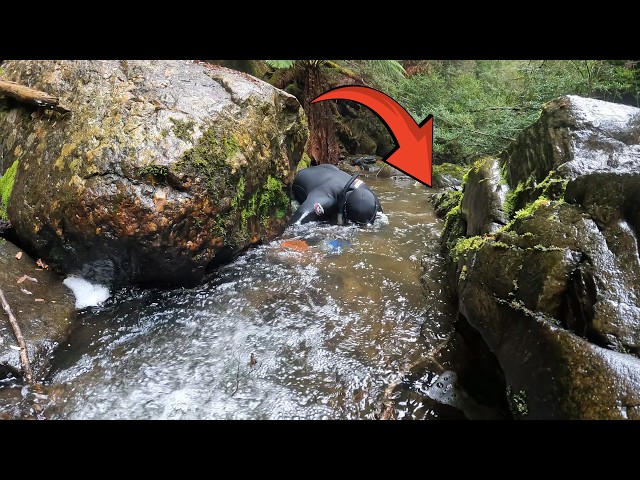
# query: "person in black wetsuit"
[[325, 191]]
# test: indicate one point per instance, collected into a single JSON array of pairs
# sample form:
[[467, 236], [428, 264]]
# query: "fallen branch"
[[24, 357], [31, 96], [380, 169]]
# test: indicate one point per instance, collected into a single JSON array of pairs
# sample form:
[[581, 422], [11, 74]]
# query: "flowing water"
[[326, 322]]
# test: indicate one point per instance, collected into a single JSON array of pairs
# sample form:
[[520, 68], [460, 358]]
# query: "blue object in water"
[[336, 247]]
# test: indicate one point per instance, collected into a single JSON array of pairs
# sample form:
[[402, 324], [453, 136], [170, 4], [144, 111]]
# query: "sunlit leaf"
[[280, 63]]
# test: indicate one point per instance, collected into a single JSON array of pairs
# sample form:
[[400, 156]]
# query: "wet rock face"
[[44, 322], [575, 136], [555, 293], [483, 200], [161, 170]]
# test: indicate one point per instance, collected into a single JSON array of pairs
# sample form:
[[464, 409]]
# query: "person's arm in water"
[[321, 204]]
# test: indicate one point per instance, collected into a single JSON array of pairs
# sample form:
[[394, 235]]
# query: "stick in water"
[[24, 357]]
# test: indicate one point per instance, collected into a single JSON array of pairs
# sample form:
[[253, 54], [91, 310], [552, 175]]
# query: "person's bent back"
[[324, 192]]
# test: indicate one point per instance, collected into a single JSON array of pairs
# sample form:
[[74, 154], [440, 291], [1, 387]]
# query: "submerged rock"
[[162, 170], [44, 309]]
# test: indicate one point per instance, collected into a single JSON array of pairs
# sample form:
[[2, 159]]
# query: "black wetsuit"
[[321, 192]]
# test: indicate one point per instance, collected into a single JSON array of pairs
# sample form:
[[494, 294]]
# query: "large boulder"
[[162, 171], [555, 293]]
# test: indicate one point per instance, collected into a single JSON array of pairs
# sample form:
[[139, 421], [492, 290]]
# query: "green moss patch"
[[268, 199], [526, 212], [525, 192], [182, 129], [210, 159], [157, 173], [465, 245], [6, 186], [273, 196], [447, 201]]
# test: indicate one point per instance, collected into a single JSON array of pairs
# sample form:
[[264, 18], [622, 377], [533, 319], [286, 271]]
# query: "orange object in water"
[[296, 245]]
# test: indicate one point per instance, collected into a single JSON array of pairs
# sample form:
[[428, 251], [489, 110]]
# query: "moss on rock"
[[6, 186], [212, 158]]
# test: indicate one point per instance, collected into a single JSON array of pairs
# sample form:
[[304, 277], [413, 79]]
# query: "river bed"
[[326, 322]]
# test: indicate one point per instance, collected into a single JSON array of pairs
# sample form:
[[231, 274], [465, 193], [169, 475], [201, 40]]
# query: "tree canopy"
[[479, 106]]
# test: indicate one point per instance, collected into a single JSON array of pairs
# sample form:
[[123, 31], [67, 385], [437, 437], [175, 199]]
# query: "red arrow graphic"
[[413, 154]]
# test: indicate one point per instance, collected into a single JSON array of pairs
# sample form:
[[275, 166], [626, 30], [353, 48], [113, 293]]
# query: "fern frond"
[[278, 64], [389, 68]]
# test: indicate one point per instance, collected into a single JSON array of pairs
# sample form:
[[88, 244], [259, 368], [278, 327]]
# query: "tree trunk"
[[323, 144]]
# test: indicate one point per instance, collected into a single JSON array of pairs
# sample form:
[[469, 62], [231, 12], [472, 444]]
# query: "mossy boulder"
[[554, 293], [162, 171]]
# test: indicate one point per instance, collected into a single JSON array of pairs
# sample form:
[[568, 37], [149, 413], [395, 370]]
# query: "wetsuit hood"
[[342, 200], [361, 206]]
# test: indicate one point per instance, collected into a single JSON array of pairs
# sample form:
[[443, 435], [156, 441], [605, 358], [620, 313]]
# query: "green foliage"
[[280, 63], [335, 71], [6, 186], [479, 106], [452, 169], [377, 73]]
